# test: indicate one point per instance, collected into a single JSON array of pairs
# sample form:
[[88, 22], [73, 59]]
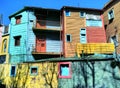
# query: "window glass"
[[18, 19], [13, 70], [4, 45], [68, 38], [67, 12], [82, 14], [64, 70], [34, 70], [110, 14], [17, 40], [83, 36]]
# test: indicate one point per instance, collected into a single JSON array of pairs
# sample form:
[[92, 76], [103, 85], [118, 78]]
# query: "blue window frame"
[[82, 14], [111, 14], [33, 70], [67, 13], [13, 71], [68, 38]]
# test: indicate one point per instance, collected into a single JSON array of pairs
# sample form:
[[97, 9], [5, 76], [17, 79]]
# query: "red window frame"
[[69, 67]]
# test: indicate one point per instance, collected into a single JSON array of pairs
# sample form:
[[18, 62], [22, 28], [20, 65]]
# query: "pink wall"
[[96, 35]]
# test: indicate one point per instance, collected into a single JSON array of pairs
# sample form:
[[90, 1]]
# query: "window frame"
[[85, 35], [109, 15], [70, 70], [13, 75], [33, 74], [84, 14], [67, 13], [17, 40], [67, 37], [4, 45]]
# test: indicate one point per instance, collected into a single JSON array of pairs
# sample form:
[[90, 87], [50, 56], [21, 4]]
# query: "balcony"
[[91, 48], [44, 55], [47, 25]]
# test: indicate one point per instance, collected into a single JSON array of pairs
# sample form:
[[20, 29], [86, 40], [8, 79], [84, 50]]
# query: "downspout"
[[64, 31]]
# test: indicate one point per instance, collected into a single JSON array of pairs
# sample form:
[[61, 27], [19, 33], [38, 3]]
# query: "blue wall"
[[20, 53]]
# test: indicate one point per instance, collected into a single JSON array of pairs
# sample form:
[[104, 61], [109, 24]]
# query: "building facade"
[[35, 34], [4, 46], [111, 20], [82, 26], [52, 48]]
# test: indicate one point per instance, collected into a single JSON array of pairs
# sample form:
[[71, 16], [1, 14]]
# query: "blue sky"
[[8, 7]]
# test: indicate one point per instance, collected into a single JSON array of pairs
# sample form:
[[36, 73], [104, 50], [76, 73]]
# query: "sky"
[[9, 7]]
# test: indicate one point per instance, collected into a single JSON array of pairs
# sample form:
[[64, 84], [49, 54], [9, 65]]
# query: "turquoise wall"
[[20, 53], [28, 38]]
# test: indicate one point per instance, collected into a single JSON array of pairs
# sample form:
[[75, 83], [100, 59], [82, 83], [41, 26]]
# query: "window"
[[4, 45], [33, 70], [111, 14], [83, 35], [82, 14], [68, 38], [114, 39], [65, 70], [17, 40], [67, 13], [13, 71], [6, 30], [18, 19]]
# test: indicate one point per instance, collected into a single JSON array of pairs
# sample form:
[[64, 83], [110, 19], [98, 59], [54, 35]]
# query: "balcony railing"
[[47, 24], [91, 48], [36, 51]]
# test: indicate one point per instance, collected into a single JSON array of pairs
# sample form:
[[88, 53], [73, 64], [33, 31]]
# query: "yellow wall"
[[91, 48], [1, 48], [46, 77]]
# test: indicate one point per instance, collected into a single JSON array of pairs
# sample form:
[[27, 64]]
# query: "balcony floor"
[[45, 55]]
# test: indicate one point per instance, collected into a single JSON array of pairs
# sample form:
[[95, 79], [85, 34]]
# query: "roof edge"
[[80, 8], [29, 8]]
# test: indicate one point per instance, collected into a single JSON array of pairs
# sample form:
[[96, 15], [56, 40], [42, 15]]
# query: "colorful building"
[[35, 34], [51, 48], [83, 26], [111, 19], [4, 46]]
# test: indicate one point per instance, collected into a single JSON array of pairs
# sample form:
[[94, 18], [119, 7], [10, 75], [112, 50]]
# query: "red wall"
[[95, 35]]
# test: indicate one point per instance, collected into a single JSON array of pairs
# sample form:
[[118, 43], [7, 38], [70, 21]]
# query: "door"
[[41, 43]]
